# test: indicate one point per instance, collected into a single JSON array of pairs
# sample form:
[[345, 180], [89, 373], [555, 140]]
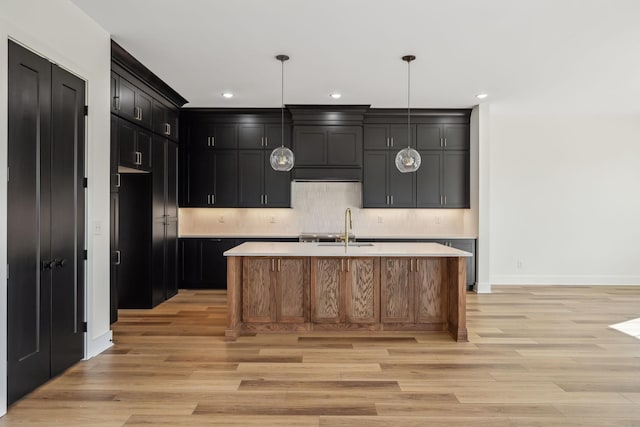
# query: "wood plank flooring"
[[536, 356]]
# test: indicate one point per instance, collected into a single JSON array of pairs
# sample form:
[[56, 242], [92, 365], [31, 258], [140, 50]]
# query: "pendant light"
[[282, 158], [408, 159]]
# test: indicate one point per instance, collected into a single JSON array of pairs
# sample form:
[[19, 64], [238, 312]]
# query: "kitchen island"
[[298, 287]]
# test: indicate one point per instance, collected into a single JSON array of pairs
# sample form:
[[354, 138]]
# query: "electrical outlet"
[[221, 219], [272, 219], [437, 220], [519, 265], [379, 219]]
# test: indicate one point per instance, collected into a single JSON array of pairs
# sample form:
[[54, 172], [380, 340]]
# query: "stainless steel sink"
[[355, 244]]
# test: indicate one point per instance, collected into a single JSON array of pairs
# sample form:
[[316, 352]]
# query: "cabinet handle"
[[266, 141], [140, 112], [445, 199], [441, 200], [208, 199], [417, 268], [445, 142], [213, 199], [273, 264], [411, 265], [139, 158], [341, 264], [167, 129], [387, 142], [116, 102], [262, 141], [118, 258], [391, 198], [117, 180], [262, 199], [279, 265], [213, 141], [441, 144], [348, 263], [265, 199], [392, 141]]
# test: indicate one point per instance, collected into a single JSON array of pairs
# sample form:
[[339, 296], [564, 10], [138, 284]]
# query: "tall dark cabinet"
[[144, 185], [45, 242]]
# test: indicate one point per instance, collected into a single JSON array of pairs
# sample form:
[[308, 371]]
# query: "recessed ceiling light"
[[336, 95], [482, 95], [227, 95]]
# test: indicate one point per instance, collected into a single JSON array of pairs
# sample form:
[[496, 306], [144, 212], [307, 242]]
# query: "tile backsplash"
[[319, 207]]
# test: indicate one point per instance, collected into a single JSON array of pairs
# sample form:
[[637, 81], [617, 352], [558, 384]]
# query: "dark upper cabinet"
[[133, 103], [164, 120], [443, 179], [212, 178], [260, 186], [328, 146], [211, 135], [383, 185], [134, 146], [443, 137], [388, 136], [255, 136]]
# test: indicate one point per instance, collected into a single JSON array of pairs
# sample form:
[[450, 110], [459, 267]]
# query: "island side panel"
[[234, 297], [456, 290]]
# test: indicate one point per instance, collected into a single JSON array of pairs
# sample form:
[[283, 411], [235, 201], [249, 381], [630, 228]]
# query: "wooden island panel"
[[297, 294]]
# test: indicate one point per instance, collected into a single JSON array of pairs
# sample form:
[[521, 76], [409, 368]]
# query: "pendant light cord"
[[409, 103], [282, 103]]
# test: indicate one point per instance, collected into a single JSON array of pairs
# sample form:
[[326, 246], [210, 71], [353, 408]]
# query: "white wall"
[[564, 199], [59, 31]]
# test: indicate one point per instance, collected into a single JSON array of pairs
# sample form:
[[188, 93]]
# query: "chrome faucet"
[[347, 213]]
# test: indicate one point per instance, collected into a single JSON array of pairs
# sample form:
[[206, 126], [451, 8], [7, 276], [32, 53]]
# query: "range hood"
[[327, 142]]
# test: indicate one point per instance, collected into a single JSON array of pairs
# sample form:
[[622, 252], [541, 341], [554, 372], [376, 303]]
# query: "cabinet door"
[[396, 289], [144, 147], [226, 178], [429, 292], [250, 178], [113, 161], [429, 137], [127, 99], [376, 137], [344, 145], [277, 186], [455, 187], [171, 204], [374, 182], [402, 186], [362, 290], [273, 136], [310, 145], [327, 290], [292, 293], [429, 180], [143, 103], [200, 177], [209, 135], [456, 137], [115, 89], [159, 116], [127, 147], [213, 264], [258, 290], [171, 257], [399, 138], [251, 136], [114, 232], [189, 266]]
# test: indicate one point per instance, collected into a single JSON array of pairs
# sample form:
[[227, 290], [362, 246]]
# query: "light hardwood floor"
[[536, 356]]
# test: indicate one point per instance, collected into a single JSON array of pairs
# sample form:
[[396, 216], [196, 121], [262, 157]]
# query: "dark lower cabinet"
[[45, 221], [114, 227], [201, 262]]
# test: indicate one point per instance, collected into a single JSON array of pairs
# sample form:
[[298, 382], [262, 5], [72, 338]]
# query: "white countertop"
[[291, 249], [358, 236]]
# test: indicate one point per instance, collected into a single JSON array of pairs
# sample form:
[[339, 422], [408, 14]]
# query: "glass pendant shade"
[[408, 160], [282, 159]]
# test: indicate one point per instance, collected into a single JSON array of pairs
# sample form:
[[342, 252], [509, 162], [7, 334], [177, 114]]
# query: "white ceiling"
[[575, 55]]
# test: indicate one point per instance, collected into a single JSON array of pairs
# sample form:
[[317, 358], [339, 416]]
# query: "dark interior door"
[[67, 220], [28, 287], [45, 221]]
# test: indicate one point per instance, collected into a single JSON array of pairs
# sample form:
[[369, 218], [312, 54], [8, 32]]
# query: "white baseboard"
[[564, 280], [98, 345], [482, 287]]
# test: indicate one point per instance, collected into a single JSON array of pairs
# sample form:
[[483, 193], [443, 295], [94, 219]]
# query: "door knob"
[[60, 262], [47, 265]]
